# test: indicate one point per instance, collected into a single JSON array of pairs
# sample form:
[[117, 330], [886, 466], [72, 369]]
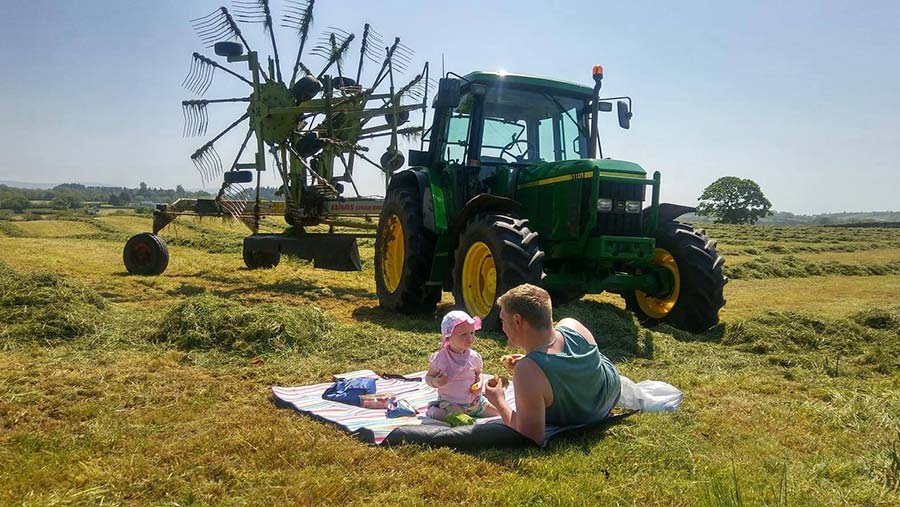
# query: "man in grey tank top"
[[562, 379]]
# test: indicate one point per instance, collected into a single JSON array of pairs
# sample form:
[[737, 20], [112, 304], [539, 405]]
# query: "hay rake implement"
[[310, 125]]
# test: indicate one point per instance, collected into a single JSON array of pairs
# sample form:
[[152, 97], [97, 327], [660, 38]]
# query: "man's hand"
[[509, 362], [494, 393]]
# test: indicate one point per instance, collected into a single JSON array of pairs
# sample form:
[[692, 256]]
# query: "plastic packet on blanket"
[[649, 396], [379, 401]]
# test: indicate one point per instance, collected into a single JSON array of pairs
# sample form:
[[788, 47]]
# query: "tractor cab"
[[521, 120]]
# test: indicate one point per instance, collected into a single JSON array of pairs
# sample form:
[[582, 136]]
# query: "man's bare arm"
[[529, 417]]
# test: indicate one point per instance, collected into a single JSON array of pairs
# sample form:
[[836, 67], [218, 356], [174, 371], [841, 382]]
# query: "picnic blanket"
[[373, 426]]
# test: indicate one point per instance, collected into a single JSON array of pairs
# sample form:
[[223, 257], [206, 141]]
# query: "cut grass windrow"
[[792, 267]]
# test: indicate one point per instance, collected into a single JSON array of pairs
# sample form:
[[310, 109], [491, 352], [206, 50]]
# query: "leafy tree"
[[732, 200], [13, 198], [114, 200], [17, 203]]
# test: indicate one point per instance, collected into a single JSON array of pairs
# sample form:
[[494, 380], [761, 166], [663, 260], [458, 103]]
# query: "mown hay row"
[[207, 322], [792, 267], [12, 230], [777, 248], [43, 307], [737, 234], [865, 342]]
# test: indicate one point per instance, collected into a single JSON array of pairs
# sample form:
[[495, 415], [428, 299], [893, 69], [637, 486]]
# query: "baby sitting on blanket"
[[455, 370]]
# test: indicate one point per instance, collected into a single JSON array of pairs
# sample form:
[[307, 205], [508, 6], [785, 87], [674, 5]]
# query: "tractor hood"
[[554, 172]]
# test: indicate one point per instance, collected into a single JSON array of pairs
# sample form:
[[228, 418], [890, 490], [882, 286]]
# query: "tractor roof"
[[491, 78]]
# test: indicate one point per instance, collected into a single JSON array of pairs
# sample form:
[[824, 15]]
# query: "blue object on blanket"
[[399, 408], [349, 391]]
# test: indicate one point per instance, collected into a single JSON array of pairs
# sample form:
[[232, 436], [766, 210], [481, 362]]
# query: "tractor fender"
[[667, 212], [478, 204], [418, 180]]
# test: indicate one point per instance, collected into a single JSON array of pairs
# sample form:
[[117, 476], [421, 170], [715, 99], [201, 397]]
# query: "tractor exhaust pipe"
[[595, 110]]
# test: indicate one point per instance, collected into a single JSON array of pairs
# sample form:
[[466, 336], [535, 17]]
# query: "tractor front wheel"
[[495, 253], [145, 254], [404, 250], [697, 291]]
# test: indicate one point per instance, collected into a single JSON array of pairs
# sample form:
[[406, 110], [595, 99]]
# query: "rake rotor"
[[311, 124]]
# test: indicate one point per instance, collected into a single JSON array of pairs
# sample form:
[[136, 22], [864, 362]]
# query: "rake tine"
[[339, 33], [201, 78], [204, 120], [207, 80], [202, 152], [184, 113], [212, 32], [190, 73], [369, 37], [336, 55], [259, 12], [197, 160], [216, 26], [303, 23], [217, 160], [205, 166], [216, 65], [188, 82], [202, 18], [387, 62], [406, 88]]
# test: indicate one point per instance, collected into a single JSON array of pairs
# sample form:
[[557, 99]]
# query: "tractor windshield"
[[521, 126], [530, 126]]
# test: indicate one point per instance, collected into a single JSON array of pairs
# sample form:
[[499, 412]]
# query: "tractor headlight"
[[632, 206], [604, 205]]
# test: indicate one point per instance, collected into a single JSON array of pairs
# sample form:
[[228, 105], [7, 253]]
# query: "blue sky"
[[800, 96]]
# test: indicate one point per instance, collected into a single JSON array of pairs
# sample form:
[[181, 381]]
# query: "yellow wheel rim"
[[394, 246], [479, 280], [658, 308]]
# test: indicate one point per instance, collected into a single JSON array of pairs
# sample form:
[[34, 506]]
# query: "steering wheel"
[[509, 146]]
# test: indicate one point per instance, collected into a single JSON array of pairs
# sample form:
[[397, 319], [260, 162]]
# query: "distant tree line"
[[74, 195]]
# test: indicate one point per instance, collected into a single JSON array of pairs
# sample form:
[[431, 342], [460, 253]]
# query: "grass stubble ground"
[[125, 390]]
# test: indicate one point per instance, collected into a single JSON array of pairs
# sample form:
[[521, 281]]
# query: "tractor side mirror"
[[448, 93], [604, 106], [624, 114]]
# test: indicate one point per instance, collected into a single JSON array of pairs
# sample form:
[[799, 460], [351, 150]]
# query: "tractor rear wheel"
[[256, 259], [495, 253], [404, 250], [694, 302], [145, 254]]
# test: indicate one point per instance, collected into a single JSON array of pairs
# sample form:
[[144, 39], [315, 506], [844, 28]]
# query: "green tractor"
[[513, 188]]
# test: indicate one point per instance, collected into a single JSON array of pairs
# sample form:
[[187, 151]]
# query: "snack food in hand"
[[509, 362], [502, 379], [476, 387]]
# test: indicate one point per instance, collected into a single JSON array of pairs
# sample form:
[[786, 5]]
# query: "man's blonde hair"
[[531, 302]]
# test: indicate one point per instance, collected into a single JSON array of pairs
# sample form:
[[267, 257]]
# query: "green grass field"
[[128, 390]]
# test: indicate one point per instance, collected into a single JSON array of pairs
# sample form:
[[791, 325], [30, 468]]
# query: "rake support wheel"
[[145, 254]]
